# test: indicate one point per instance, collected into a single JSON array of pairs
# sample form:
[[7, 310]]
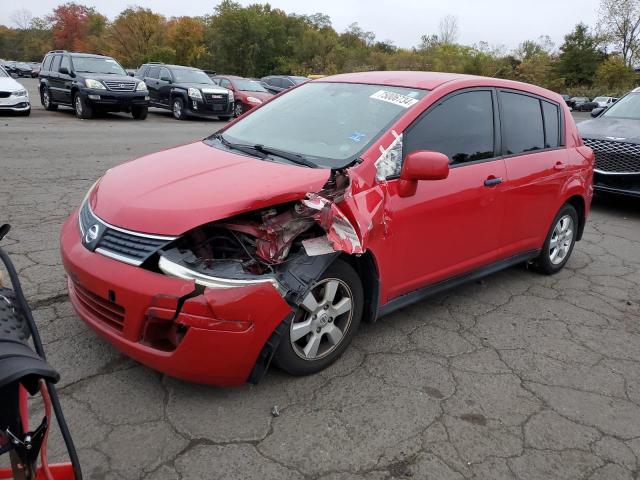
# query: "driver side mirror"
[[597, 111], [421, 165], [165, 79]]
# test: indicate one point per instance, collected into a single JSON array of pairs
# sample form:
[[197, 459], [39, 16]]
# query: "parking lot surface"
[[519, 375]]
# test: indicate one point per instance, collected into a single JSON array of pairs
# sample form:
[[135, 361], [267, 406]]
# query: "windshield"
[[3, 73], [330, 124], [97, 65], [248, 86], [626, 107], [184, 75], [601, 99]]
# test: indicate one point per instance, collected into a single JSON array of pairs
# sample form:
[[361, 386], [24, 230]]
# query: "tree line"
[[258, 40]]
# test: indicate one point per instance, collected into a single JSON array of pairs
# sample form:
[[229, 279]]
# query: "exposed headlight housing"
[[19, 93], [195, 93], [253, 100], [95, 84], [174, 269], [141, 87]]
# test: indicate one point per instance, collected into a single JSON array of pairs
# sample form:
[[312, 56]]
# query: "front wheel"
[[325, 322], [139, 113], [238, 109], [45, 99], [177, 108], [560, 241], [83, 110]]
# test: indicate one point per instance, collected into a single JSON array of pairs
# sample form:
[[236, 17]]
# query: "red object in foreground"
[[198, 261], [59, 471]]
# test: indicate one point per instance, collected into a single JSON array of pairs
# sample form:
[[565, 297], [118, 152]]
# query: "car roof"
[[233, 77], [431, 80]]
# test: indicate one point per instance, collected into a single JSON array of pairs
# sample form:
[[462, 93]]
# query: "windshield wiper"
[[292, 157], [248, 149]]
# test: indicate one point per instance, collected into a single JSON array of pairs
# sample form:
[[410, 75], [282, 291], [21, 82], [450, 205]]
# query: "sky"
[[498, 22]]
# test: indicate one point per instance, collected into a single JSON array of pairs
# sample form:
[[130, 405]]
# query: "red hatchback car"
[[338, 202], [248, 93]]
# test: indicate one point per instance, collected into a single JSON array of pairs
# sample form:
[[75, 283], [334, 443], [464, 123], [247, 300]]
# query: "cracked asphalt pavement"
[[519, 375]]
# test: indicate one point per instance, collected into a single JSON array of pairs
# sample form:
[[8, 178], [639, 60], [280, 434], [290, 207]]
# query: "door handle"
[[560, 166], [491, 181]]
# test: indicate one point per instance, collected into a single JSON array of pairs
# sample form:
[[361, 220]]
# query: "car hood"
[[173, 191], [264, 96], [8, 84], [611, 128]]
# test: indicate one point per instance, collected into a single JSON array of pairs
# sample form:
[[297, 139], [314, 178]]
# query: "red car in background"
[[247, 93], [344, 200]]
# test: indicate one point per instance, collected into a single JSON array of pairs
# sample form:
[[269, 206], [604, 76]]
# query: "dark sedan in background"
[[279, 83], [614, 136]]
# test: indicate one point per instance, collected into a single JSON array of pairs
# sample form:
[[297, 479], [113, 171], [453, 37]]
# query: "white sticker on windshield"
[[395, 98]]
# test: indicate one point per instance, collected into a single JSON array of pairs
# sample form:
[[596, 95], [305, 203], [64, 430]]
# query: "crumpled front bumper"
[[223, 330]]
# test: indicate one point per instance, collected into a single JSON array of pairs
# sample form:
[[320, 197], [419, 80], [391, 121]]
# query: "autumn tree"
[[75, 26], [136, 35], [185, 36]]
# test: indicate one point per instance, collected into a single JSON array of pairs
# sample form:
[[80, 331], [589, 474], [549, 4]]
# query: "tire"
[[139, 113], [177, 108], [238, 109], [45, 100], [322, 328], [83, 110], [560, 241]]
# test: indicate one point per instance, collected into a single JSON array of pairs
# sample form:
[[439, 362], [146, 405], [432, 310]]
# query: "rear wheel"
[[83, 110], [177, 108], [45, 99], [560, 241], [324, 324], [139, 113]]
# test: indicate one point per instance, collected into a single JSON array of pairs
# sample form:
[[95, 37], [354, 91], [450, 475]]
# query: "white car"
[[13, 96], [604, 101]]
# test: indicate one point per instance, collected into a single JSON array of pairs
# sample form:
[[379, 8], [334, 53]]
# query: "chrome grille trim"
[[120, 86], [614, 157], [121, 244]]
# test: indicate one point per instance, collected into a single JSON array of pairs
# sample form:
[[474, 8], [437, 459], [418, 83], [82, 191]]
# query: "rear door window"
[[461, 127], [551, 124], [522, 125]]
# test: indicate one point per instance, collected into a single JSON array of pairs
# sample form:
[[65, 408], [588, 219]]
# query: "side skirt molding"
[[430, 290]]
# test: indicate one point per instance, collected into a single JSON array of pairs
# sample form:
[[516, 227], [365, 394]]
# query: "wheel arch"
[[366, 267], [577, 201]]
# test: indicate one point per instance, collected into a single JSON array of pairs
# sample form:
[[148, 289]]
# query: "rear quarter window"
[[551, 115], [522, 124]]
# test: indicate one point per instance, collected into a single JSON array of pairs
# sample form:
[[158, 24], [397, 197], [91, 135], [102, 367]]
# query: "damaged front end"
[[284, 248]]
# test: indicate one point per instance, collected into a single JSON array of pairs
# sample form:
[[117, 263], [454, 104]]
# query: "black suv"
[[90, 83], [185, 91]]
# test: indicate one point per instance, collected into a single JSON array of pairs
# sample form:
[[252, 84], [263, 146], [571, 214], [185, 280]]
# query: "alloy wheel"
[[327, 311], [177, 109], [561, 240], [78, 104], [45, 99], [237, 109]]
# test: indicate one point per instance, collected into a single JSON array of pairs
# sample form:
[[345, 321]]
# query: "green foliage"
[[614, 75], [579, 57], [258, 40]]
